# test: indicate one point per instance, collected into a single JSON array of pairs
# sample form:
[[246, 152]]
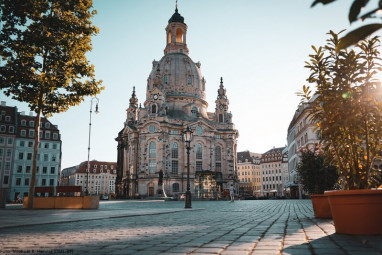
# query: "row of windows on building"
[[9, 140], [103, 166], [175, 155], [97, 185], [248, 173], [271, 165], [198, 130], [246, 167], [44, 182], [46, 156], [245, 179], [272, 178], [271, 186], [23, 123], [272, 171]]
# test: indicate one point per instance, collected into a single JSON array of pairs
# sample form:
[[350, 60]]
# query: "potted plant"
[[347, 109], [317, 175]]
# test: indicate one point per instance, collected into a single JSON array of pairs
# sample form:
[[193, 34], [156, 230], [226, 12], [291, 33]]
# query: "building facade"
[[301, 132], [48, 155], [8, 130], [16, 152], [99, 181], [272, 172], [249, 173], [152, 156]]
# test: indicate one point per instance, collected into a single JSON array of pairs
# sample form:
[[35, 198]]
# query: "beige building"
[[102, 177], [249, 173], [301, 132], [152, 156], [273, 165]]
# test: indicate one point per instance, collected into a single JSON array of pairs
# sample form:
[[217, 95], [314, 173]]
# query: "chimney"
[[3, 103]]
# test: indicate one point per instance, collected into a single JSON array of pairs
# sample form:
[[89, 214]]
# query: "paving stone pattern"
[[213, 227]]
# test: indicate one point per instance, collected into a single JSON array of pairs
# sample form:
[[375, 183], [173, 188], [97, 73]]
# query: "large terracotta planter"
[[356, 212], [321, 206]]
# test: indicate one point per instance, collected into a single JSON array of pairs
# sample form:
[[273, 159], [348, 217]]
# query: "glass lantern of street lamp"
[[187, 135]]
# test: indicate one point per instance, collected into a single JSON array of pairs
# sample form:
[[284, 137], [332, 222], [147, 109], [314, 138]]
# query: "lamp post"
[[187, 135], [90, 128]]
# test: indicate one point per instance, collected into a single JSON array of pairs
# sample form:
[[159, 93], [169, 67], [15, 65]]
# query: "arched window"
[[175, 187], [179, 35], [218, 153], [152, 157], [220, 118], [169, 37], [199, 151], [189, 80], [174, 150], [154, 108]]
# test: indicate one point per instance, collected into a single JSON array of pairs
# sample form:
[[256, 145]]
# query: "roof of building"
[[243, 156], [97, 167], [176, 17]]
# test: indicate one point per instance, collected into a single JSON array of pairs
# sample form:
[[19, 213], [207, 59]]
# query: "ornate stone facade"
[[151, 149]]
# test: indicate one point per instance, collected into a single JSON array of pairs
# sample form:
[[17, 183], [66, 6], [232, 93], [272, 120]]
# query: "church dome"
[[176, 17], [179, 76]]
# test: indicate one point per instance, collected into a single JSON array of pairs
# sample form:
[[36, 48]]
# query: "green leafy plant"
[[362, 32], [347, 108], [316, 174], [43, 45]]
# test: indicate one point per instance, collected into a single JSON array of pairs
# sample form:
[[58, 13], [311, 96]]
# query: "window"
[[23, 123], [44, 170], [52, 170], [220, 117], [9, 153], [46, 145], [218, 153], [31, 123], [55, 146], [19, 169], [189, 80], [218, 167], [28, 169], [165, 79], [199, 152], [10, 140], [175, 187], [6, 179], [22, 143], [7, 165], [47, 135], [217, 137], [1, 152], [174, 132], [152, 128], [30, 144], [47, 125], [21, 155], [7, 118], [51, 182], [43, 182], [154, 108], [199, 130], [26, 182], [199, 166], [46, 157], [2, 128], [11, 129], [174, 167], [174, 150], [18, 181], [55, 136], [152, 150], [194, 111], [31, 133], [29, 156], [1, 140], [152, 166]]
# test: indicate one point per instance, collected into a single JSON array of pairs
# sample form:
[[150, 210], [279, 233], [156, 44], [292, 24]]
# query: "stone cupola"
[[176, 32]]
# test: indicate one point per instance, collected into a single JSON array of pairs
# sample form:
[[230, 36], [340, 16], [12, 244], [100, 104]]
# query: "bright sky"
[[258, 47]]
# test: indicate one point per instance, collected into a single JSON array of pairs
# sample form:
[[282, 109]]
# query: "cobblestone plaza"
[[154, 227]]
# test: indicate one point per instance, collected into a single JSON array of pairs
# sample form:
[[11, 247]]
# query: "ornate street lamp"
[[90, 128], [187, 135]]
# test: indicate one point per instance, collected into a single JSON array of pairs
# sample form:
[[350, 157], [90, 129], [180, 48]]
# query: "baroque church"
[[152, 155]]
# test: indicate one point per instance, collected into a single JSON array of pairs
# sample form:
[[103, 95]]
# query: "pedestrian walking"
[[232, 193]]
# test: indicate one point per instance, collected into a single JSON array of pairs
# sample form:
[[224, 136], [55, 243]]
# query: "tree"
[[43, 45], [348, 107], [362, 32], [314, 170]]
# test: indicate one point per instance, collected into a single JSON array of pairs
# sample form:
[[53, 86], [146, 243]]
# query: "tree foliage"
[[315, 172], [348, 107], [43, 45], [354, 14]]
